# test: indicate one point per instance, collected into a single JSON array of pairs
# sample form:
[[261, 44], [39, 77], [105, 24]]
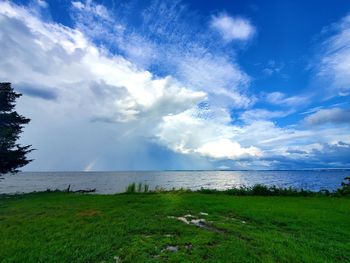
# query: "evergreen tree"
[[12, 155]]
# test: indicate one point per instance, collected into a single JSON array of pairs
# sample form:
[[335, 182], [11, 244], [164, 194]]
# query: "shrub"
[[263, 190], [345, 187]]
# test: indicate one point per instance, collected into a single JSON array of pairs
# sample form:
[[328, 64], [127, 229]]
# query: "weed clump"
[[139, 188], [255, 190]]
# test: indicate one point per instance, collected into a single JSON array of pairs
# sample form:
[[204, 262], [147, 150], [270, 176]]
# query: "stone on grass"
[[189, 215], [183, 220], [198, 222]]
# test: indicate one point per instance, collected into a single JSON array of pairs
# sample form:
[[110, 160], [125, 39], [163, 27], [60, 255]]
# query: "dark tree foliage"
[[12, 155], [345, 187]]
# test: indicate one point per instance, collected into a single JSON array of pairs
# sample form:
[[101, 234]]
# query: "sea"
[[116, 182]]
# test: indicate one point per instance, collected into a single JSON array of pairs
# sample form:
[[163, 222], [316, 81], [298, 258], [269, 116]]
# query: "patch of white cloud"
[[92, 8], [273, 67], [212, 138], [252, 115], [280, 99], [227, 149], [232, 28], [334, 64], [216, 75], [42, 3]]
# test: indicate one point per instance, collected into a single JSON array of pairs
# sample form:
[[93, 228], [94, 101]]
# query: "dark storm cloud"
[[36, 91]]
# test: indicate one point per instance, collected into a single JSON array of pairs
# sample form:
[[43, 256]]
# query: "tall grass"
[[140, 188], [263, 190], [131, 188], [256, 190]]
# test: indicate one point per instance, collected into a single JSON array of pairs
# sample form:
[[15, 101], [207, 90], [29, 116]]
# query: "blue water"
[[116, 182]]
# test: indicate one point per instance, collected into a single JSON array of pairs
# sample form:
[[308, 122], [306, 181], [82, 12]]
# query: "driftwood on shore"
[[83, 191]]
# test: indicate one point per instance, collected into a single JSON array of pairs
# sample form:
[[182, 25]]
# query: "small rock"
[[188, 247], [244, 222], [172, 248], [183, 220], [203, 214], [198, 222], [168, 235], [171, 217], [117, 259], [189, 215]]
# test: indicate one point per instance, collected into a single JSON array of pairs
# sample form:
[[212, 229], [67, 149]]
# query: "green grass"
[[66, 227]]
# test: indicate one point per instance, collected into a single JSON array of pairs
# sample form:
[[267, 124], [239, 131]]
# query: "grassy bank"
[[66, 227]]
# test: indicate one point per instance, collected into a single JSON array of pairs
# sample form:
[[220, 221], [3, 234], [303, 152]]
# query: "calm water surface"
[[116, 182]]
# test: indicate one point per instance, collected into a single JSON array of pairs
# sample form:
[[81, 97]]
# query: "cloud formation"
[[334, 64], [53, 56], [36, 91], [106, 94], [333, 115], [96, 85], [232, 28], [278, 98]]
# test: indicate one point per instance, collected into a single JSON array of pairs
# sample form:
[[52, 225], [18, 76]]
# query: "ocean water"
[[116, 182]]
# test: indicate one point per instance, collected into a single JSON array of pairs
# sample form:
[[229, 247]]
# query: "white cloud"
[[333, 115], [278, 98], [273, 67], [334, 64], [42, 3], [78, 5], [173, 48], [92, 8], [267, 136], [209, 138], [221, 79], [227, 149], [232, 28], [87, 82], [80, 82], [256, 141], [55, 56], [262, 114]]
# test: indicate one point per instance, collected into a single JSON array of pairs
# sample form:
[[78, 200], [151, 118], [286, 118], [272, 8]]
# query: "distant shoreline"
[[221, 170]]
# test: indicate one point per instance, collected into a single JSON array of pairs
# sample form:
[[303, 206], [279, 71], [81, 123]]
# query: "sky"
[[180, 85]]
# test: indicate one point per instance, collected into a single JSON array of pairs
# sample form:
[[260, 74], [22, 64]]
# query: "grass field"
[[66, 227]]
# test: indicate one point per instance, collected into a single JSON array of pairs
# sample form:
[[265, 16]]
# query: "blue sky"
[[152, 85]]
